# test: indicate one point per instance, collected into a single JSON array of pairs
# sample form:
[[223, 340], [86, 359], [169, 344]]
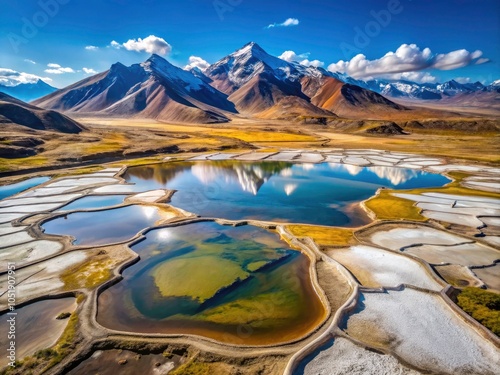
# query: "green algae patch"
[[482, 305], [215, 280], [202, 277], [267, 309], [254, 266]]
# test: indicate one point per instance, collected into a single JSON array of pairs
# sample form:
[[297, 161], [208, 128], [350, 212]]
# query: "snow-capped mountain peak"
[[251, 60], [162, 69]]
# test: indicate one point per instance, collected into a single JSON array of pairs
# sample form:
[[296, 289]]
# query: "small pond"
[[234, 284]]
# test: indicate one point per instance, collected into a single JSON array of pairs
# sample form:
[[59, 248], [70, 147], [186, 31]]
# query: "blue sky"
[[434, 40]]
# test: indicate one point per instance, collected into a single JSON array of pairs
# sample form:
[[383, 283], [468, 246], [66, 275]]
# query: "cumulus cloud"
[[30, 61], [315, 63], [151, 44], [89, 71], [421, 77], [288, 22], [58, 69], [407, 58], [91, 48], [292, 56], [115, 44], [303, 59], [9, 77], [462, 79], [197, 62]]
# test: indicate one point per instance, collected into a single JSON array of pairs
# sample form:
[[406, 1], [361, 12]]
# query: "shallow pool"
[[234, 284], [94, 202], [106, 226], [9, 190]]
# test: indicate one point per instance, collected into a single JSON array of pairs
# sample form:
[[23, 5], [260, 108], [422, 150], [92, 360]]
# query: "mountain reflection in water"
[[277, 191]]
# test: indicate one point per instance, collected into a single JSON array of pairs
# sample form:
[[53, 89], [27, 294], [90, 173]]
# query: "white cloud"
[[462, 79], [30, 61], [421, 77], [197, 62], [91, 48], [89, 71], [9, 77], [115, 44], [58, 69], [482, 61], [292, 56], [315, 63], [288, 22], [303, 59], [151, 44], [407, 58]]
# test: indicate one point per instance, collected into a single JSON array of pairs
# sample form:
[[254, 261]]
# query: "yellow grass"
[[323, 236], [30, 162], [89, 274], [386, 206]]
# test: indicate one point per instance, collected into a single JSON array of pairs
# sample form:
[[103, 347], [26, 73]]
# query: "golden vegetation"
[[30, 162], [324, 236], [386, 206], [482, 305], [89, 274]]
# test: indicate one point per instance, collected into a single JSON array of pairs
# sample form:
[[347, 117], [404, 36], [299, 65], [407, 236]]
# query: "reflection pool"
[[324, 194], [104, 227]]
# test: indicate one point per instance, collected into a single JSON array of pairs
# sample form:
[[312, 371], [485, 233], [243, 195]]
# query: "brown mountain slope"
[[153, 89], [15, 113], [292, 107], [347, 100], [262, 92]]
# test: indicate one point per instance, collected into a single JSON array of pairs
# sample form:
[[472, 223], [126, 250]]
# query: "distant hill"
[[28, 91], [15, 113]]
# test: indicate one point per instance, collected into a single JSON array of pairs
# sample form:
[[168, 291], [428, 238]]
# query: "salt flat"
[[425, 332], [340, 357], [398, 238], [376, 268]]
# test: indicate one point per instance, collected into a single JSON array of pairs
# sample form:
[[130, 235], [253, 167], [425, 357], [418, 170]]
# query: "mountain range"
[[427, 91], [28, 91], [249, 83]]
